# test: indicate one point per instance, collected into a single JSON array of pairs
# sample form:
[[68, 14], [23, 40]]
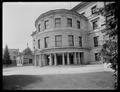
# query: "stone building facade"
[[97, 21], [62, 38]]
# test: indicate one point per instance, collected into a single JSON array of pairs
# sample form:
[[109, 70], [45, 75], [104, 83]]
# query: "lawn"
[[96, 80]]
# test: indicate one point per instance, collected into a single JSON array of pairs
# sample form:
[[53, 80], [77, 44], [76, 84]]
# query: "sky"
[[19, 21]]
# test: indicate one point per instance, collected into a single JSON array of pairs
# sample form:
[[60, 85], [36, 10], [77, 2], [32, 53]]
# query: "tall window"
[[78, 24], [39, 44], [39, 27], [80, 41], [93, 9], [58, 40], [95, 25], [46, 23], [96, 41], [97, 57], [46, 39], [69, 22], [57, 22], [71, 40]]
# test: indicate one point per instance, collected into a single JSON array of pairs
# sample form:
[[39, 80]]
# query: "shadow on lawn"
[[16, 82]]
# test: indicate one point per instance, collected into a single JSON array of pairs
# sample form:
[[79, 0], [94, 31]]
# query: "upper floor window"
[[71, 40], [39, 44], [46, 39], [57, 22], [78, 24], [39, 27], [93, 9], [96, 41], [80, 41], [46, 23], [69, 22], [58, 40], [95, 24]]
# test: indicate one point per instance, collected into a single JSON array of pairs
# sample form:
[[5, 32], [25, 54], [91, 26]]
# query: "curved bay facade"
[[61, 38]]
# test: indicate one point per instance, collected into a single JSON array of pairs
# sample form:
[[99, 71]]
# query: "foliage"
[[6, 56], [109, 50]]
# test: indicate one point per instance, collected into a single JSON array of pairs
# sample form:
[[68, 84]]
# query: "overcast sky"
[[19, 18]]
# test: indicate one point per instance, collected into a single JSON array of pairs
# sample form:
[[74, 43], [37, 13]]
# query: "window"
[[57, 22], [69, 22], [96, 41], [78, 24], [94, 23], [46, 24], [97, 57], [39, 44], [80, 41], [58, 40], [39, 27], [46, 41], [71, 40], [93, 9]]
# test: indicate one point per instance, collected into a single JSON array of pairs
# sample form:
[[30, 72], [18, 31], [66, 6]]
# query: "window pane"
[[39, 43], [46, 24], [46, 42], [80, 41], [71, 40], [93, 9], [96, 41], [78, 24], [58, 41], [39, 27], [69, 22], [57, 22]]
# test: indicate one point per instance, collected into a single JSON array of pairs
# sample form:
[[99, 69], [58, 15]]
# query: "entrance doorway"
[[30, 61], [71, 58], [59, 59]]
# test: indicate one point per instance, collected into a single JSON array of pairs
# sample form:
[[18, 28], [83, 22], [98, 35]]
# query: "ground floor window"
[[97, 57]]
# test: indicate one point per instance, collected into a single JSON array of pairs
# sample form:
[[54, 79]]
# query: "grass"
[[98, 80]]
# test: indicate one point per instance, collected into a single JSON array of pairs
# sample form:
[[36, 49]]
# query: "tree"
[[109, 50], [6, 56]]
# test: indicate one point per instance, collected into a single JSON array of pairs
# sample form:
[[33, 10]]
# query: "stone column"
[[75, 60], [35, 60], [68, 59], [63, 59], [55, 59], [50, 58], [40, 64], [79, 58]]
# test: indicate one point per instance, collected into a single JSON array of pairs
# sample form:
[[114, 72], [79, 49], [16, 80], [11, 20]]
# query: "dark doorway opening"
[[59, 59], [71, 58], [30, 61]]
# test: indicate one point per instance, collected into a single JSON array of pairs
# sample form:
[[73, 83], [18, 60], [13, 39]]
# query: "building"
[[25, 57], [62, 38], [97, 21], [13, 54]]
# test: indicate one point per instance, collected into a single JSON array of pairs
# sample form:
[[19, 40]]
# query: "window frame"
[[57, 23], [93, 9], [46, 43], [78, 24], [39, 27], [71, 41], [80, 41], [96, 41], [58, 43], [46, 24], [38, 43], [69, 22]]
